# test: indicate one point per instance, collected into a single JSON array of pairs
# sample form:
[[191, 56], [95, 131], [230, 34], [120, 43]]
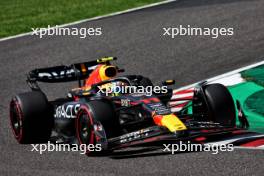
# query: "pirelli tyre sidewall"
[[84, 127], [97, 110], [31, 117], [221, 104]]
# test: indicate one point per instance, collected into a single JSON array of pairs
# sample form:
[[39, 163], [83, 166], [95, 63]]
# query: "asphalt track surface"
[[136, 39]]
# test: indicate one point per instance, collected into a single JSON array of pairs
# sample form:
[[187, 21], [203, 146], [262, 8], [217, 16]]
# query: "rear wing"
[[74, 72]]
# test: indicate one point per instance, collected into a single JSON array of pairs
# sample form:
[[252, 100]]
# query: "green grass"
[[255, 74], [245, 92], [255, 102], [19, 16]]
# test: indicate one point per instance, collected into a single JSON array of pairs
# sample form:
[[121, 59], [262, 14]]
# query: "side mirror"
[[168, 82]]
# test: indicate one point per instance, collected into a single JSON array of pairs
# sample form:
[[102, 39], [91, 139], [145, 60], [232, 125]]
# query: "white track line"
[[94, 18], [228, 141], [223, 75], [182, 95], [250, 148], [176, 109], [177, 102]]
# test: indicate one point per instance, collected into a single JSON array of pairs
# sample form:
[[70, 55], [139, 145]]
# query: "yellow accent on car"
[[102, 72], [105, 59], [170, 81], [173, 123], [83, 68], [86, 93]]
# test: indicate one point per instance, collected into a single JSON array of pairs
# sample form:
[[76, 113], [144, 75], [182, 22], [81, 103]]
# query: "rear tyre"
[[31, 117], [221, 104]]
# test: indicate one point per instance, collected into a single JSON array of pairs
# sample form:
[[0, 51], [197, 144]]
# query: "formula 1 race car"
[[95, 113]]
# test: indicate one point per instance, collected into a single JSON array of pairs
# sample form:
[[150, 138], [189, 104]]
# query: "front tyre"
[[221, 105]]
